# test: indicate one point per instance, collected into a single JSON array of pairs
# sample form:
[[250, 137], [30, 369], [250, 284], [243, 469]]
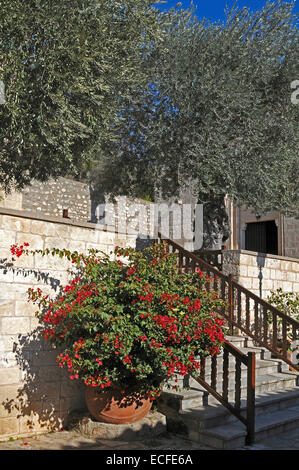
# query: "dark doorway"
[[262, 237]]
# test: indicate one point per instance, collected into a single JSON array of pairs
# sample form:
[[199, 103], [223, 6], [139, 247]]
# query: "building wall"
[[291, 237], [84, 205], [287, 229], [35, 395], [278, 272], [51, 197]]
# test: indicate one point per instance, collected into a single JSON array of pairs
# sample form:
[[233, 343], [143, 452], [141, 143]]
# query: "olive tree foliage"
[[217, 112], [65, 65]]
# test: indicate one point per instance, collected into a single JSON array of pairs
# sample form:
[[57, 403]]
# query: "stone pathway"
[[72, 440]]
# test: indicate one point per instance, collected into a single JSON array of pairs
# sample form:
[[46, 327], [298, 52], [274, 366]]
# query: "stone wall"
[[278, 272], [35, 395], [287, 229], [51, 197], [84, 205], [291, 237]]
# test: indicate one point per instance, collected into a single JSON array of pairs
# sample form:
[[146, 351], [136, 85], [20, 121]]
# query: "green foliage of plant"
[[65, 66], [286, 302], [128, 322], [217, 112]]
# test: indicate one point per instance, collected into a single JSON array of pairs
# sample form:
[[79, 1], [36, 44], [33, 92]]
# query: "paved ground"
[[72, 440]]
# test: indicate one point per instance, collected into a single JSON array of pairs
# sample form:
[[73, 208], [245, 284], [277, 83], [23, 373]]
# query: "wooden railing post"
[[250, 399], [231, 303]]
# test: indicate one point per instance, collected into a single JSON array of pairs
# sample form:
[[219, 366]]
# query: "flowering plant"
[[128, 323]]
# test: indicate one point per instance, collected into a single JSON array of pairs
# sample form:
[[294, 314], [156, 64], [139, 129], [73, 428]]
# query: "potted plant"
[[126, 324]]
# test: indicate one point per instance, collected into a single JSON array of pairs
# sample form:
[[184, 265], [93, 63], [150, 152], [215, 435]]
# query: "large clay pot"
[[114, 409]]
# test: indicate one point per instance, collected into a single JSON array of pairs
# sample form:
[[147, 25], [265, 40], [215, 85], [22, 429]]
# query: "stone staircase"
[[195, 414]]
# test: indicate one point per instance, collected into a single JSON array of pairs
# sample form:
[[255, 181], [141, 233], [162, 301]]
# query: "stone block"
[[148, 427], [83, 234], [13, 325], [9, 376], [55, 242], [106, 238], [281, 275], [52, 263], [7, 342], [296, 287], [23, 262], [77, 245], [243, 270], [9, 426], [7, 238], [291, 276], [11, 201], [7, 308], [69, 388], [277, 284], [49, 373], [296, 267], [246, 282], [17, 224], [255, 284], [267, 284], [36, 242], [287, 287], [272, 274], [248, 260], [273, 263], [253, 271], [6, 274], [38, 421], [9, 291], [266, 273], [66, 405], [61, 230], [39, 227], [25, 309], [96, 246], [8, 359], [44, 358], [26, 276]]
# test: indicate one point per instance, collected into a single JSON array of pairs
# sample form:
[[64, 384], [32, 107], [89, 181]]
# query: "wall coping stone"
[[256, 253], [60, 220]]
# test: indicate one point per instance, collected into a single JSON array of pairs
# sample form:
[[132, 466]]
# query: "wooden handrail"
[[223, 397], [211, 257], [264, 323]]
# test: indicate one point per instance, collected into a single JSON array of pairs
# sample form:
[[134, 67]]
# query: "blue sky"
[[214, 9]]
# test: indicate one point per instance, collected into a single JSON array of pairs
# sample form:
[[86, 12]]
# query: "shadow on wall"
[[143, 241], [8, 268], [45, 394], [43, 398]]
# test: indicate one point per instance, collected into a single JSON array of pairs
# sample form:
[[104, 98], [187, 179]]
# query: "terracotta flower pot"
[[109, 408]]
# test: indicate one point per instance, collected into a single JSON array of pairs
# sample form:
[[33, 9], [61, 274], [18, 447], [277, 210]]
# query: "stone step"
[[195, 413], [197, 395], [264, 383], [232, 436], [240, 341], [216, 427], [215, 414], [263, 366]]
